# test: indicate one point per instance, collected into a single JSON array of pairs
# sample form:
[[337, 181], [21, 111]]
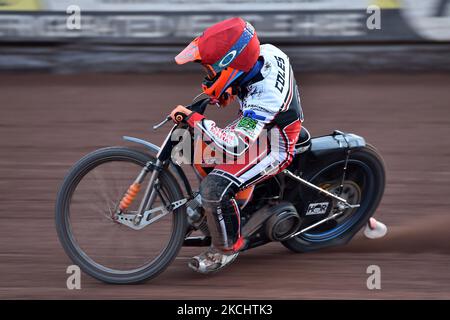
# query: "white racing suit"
[[261, 143]]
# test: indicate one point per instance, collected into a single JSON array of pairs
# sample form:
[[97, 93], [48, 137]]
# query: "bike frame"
[[163, 159]]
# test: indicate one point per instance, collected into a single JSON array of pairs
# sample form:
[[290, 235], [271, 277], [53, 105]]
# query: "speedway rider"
[[261, 78]]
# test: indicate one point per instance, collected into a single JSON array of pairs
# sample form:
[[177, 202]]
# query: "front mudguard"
[[173, 168]]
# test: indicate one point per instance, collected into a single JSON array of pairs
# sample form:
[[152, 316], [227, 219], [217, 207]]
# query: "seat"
[[303, 142]]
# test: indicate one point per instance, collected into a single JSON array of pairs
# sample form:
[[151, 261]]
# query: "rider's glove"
[[180, 113]]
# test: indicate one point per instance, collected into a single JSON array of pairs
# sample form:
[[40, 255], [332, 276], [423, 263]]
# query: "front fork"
[[150, 192]]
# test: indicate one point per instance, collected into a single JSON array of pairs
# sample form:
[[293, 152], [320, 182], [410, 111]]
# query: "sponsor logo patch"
[[248, 127], [247, 124], [317, 208], [252, 114]]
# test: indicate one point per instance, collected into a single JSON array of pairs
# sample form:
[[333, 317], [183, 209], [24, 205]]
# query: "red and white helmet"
[[226, 50]]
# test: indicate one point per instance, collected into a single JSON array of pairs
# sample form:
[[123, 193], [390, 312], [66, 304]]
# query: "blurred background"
[[70, 84], [144, 35]]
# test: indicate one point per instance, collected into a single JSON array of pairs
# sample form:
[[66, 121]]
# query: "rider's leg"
[[220, 186], [222, 212], [223, 217]]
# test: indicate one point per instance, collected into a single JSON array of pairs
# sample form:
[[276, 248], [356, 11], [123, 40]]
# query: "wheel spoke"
[[350, 191], [108, 243]]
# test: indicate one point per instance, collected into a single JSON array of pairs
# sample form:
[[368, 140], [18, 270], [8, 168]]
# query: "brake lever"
[[157, 126]]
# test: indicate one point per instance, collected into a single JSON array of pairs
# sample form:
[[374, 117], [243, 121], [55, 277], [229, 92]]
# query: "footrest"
[[197, 242]]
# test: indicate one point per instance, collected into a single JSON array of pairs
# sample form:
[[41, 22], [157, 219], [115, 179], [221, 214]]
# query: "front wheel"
[[91, 236], [364, 184]]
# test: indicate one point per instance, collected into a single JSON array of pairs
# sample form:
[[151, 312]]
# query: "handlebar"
[[198, 106]]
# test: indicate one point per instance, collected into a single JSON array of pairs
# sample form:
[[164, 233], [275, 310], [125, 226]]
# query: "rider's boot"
[[212, 260], [223, 219]]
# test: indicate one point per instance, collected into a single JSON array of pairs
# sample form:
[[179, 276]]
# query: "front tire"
[[77, 254]]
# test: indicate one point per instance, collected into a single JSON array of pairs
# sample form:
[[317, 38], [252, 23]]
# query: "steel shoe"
[[212, 260]]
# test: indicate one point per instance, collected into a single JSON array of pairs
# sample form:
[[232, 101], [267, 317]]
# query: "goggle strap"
[[236, 49]]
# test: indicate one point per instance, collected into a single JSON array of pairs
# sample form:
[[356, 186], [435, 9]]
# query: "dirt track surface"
[[48, 122]]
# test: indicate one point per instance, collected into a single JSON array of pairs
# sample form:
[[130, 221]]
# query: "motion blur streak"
[[48, 121]]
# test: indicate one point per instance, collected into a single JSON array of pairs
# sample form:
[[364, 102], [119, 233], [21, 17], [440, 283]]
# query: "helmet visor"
[[189, 54]]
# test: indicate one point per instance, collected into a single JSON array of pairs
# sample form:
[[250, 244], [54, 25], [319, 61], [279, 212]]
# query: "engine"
[[283, 222]]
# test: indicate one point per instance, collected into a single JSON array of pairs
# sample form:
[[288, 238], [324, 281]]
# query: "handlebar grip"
[[179, 117]]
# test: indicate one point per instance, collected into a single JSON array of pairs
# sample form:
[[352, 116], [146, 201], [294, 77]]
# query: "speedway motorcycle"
[[123, 214]]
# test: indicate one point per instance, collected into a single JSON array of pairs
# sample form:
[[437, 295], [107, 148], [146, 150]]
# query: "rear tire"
[[74, 251], [370, 157]]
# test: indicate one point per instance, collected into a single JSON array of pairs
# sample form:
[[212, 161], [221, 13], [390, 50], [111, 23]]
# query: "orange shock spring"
[[129, 196]]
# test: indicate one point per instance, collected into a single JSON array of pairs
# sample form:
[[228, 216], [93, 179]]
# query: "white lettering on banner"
[[123, 19], [431, 18], [206, 5], [163, 28]]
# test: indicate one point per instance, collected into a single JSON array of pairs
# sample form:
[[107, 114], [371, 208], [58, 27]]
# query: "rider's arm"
[[234, 139]]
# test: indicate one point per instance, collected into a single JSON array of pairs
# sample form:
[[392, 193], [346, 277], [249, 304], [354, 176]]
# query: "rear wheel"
[[364, 184], [88, 231]]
